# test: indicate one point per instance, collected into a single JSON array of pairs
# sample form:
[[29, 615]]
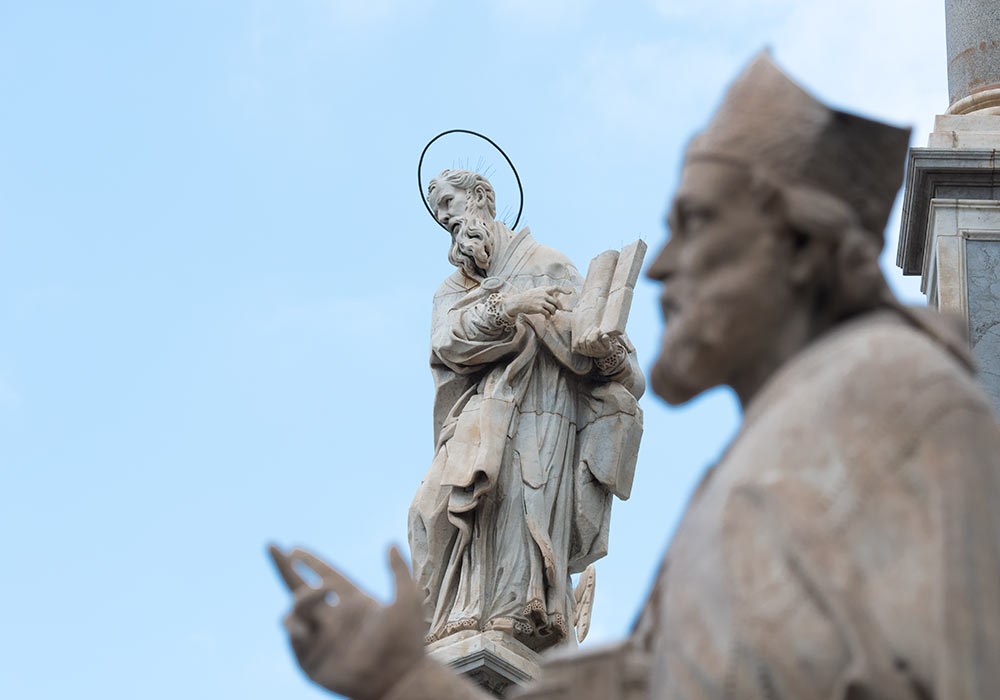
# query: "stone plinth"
[[961, 271], [959, 163], [973, 28], [493, 660], [950, 232], [613, 672], [978, 131]]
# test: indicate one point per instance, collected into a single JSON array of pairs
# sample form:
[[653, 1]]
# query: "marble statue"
[[847, 544], [535, 428]]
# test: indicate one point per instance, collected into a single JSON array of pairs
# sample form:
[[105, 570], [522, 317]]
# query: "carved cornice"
[[940, 173]]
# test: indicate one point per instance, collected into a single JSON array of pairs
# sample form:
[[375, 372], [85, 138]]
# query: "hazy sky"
[[216, 274]]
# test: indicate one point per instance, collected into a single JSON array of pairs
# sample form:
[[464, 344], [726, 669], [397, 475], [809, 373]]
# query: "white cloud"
[[886, 59], [713, 13]]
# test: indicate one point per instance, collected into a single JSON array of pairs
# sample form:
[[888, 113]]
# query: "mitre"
[[767, 121]]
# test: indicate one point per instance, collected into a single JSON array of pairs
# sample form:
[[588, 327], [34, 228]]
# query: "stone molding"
[[951, 223], [935, 173], [987, 98], [493, 660]]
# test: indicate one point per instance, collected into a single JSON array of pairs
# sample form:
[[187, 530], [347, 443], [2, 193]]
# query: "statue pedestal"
[[492, 660]]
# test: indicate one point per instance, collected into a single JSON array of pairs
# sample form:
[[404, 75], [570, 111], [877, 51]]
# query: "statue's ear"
[[479, 195], [806, 258]]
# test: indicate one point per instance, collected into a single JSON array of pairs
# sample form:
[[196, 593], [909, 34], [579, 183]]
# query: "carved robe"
[[530, 443]]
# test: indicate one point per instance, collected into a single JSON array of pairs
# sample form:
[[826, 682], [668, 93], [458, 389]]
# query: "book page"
[[619, 300], [589, 309]]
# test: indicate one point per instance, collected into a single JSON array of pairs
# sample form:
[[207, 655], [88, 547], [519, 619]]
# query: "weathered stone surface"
[[939, 173], [977, 131], [983, 278], [973, 29], [536, 425], [492, 660]]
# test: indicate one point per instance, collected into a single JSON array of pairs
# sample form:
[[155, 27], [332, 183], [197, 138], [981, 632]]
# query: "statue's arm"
[[468, 336], [622, 366], [481, 330]]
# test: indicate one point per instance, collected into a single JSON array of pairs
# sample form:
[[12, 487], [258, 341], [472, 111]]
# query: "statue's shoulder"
[[455, 284], [547, 260], [889, 345], [883, 364]]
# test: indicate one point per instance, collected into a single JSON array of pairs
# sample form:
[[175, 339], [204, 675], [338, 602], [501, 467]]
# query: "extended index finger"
[[332, 578], [560, 290], [283, 564]]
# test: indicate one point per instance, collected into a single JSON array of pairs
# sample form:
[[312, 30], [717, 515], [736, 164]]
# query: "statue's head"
[[775, 233], [464, 203], [457, 194]]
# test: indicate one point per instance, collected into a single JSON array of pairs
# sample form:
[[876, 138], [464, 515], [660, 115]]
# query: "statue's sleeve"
[[431, 681], [473, 332]]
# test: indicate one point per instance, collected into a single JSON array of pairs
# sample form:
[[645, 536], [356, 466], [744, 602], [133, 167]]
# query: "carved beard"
[[471, 247]]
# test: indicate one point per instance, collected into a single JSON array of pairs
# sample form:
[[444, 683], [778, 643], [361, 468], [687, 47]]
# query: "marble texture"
[[983, 279], [973, 31], [535, 428], [977, 131], [492, 660]]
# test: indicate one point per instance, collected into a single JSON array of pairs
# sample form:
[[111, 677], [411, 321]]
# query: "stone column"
[[973, 55], [950, 233]]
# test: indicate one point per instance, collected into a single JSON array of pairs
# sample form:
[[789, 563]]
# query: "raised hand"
[[343, 639], [540, 300]]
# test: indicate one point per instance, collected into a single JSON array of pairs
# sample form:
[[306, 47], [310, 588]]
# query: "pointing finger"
[[284, 566], [561, 290], [332, 578]]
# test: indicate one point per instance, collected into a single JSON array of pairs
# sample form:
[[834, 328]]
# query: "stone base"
[[612, 672], [493, 660]]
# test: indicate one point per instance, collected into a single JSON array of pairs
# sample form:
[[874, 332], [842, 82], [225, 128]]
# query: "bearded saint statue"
[[531, 438]]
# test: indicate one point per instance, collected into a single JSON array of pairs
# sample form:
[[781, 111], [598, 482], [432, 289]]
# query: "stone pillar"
[[950, 232], [973, 55]]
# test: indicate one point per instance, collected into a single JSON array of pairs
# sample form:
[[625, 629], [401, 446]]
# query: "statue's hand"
[[343, 639], [540, 300], [595, 344]]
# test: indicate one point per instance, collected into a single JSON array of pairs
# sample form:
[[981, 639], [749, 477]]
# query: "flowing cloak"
[[530, 444]]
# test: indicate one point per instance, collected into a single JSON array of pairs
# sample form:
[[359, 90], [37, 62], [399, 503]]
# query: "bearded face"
[[471, 246], [726, 289], [466, 218]]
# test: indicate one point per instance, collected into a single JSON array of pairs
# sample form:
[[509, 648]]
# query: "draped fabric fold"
[[495, 530]]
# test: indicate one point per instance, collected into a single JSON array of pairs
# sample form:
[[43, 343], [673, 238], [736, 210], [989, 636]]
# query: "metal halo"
[[420, 182]]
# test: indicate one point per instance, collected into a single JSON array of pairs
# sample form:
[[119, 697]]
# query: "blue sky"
[[216, 272]]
